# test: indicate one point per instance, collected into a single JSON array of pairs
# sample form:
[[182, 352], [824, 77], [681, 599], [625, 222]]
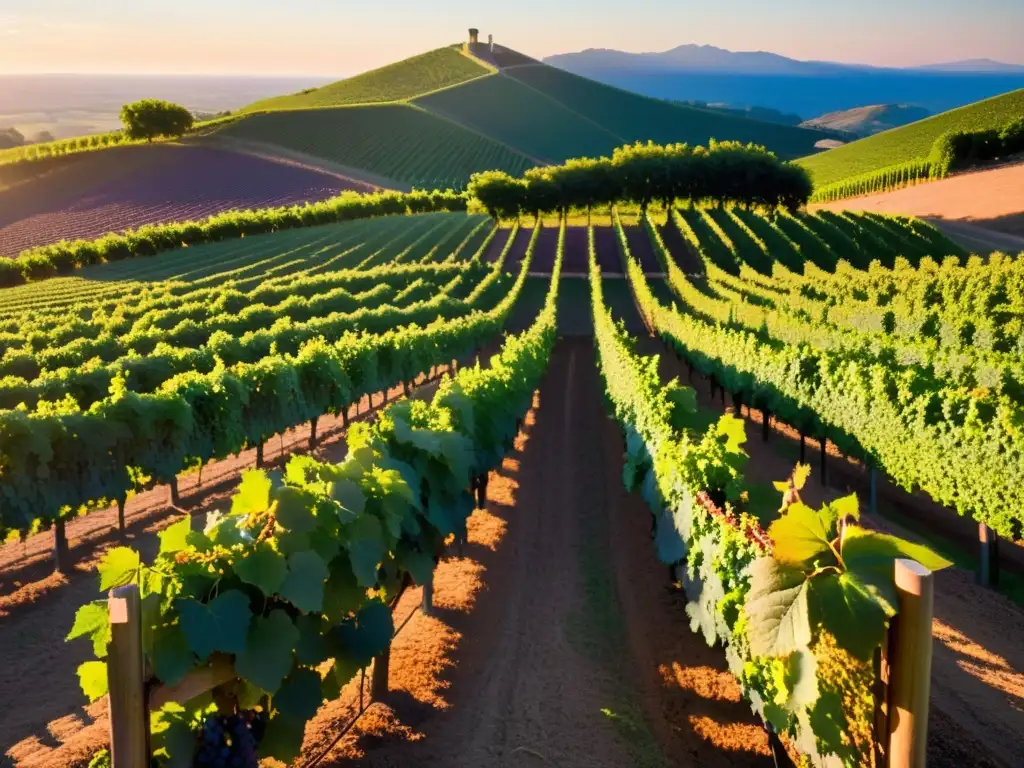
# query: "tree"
[[10, 138], [42, 137], [150, 118]]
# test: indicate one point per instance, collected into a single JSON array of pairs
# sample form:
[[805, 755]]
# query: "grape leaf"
[[777, 609], [294, 510], [268, 654], [846, 507], [304, 585], [851, 611], [802, 678], [311, 648], [253, 493], [800, 474], [119, 566], [735, 432], [342, 593], [92, 620], [299, 697], [264, 568], [458, 453], [92, 676], [366, 548], [220, 625], [368, 635], [283, 739], [420, 565], [668, 542], [871, 558], [801, 536], [350, 498], [172, 656], [174, 538]]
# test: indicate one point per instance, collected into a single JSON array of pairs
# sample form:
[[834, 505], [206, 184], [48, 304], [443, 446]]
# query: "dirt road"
[[983, 210]]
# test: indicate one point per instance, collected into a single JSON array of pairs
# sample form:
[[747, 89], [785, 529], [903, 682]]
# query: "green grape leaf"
[[846, 507], [458, 453], [734, 431], [420, 565], [852, 611], [92, 620], [248, 695], [294, 510], [871, 557], [350, 498], [253, 493], [220, 625], [119, 566], [369, 635], [829, 725], [312, 647], [264, 567], [342, 593], [670, 545], [802, 678], [290, 542], [800, 474], [304, 585], [172, 736], [268, 655], [299, 697], [366, 548], [174, 538], [92, 676], [171, 656], [330, 687], [777, 609], [801, 537], [283, 739]]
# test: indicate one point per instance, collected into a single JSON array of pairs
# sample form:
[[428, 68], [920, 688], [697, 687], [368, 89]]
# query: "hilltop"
[[911, 142], [434, 119], [867, 121]]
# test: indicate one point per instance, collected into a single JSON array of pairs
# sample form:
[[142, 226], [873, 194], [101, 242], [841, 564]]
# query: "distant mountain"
[[973, 65], [867, 121], [745, 79]]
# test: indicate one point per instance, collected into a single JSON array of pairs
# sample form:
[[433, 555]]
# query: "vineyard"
[[911, 143], [94, 193], [408, 146]]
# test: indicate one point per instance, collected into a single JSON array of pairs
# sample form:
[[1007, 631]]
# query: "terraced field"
[[638, 118], [404, 144], [911, 142], [94, 193], [507, 110], [402, 80]]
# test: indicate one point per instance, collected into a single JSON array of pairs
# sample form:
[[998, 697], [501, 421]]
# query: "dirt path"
[[972, 204], [977, 712], [574, 652]]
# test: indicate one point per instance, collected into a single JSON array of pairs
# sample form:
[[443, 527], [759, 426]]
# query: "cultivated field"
[[407, 145], [911, 142], [91, 194], [992, 199]]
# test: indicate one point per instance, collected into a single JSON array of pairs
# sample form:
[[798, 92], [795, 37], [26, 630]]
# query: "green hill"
[[910, 142], [398, 142], [400, 81], [436, 119], [521, 117], [639, 118]]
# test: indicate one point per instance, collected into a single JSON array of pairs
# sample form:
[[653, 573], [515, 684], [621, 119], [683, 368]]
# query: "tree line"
[[957, 150], [726, 171]]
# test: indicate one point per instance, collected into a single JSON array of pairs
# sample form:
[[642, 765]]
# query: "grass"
[[398, 142], [403, 80], [515, 114], [911, 142], [633, 117]]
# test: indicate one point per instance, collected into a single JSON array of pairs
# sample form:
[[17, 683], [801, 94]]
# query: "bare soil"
[[970, 206]]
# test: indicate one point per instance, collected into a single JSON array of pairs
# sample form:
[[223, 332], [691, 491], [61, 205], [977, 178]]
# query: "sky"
[[343, 37]]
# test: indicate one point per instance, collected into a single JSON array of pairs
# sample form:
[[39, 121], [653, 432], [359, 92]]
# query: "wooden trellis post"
[[128, 732]]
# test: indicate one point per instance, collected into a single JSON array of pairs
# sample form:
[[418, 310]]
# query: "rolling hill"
[[911, 142], [867, 121]]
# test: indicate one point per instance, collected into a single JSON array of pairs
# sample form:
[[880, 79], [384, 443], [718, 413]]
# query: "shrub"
[[1012, 137]]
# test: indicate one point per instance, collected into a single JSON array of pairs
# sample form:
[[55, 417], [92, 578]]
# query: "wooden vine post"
[[60, 546], [910, 666], [824, 460], [988, 556], [128, 706]]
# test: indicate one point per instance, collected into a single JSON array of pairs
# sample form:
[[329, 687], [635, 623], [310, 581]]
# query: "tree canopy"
[[150, 118]]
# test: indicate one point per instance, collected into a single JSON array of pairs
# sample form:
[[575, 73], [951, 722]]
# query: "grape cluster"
[[229, 741]]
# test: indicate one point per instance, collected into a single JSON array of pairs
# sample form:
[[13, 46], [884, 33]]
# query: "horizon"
[[111, 37]]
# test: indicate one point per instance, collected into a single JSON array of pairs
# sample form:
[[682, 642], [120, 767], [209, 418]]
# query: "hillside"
[[911, 142], [402, 80], [639, 118], [867, 121]]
